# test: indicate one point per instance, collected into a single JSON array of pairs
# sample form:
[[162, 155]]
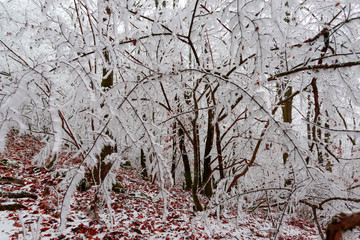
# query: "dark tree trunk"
[[196, 148], [198, 206], [207, 156], [102, 168], [173, 164], [187, 170], [108, 75], [143, 164], [219, 151], [287, 106], [286, 109]]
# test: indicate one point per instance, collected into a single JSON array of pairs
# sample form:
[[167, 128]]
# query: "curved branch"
[[314, 68]]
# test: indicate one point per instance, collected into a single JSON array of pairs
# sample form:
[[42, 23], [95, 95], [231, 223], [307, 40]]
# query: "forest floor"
[[35, 200]]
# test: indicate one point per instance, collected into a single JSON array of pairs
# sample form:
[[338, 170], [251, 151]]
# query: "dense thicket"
[[253, 104]]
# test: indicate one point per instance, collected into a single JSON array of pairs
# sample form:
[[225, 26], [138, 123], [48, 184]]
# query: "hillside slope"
[[33, 200]]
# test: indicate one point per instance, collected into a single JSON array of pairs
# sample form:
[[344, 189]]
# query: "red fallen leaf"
[[92, 223], [47, 235], [82, 228], [16, 224], [57, 214], [337, 4], [149, 227], [136, 230], [92, 231], [356, 180], [15, 236], [52, 220], [134, 42], [44, 229]]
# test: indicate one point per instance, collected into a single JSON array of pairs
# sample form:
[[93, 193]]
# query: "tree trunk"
[[196, 177], [103, 168], [174, 143], [286, 108], [196, 149], [219, 151], [107, 82], [344, 222], [143, 164], [107, 74], [207, 156], [187, 170]]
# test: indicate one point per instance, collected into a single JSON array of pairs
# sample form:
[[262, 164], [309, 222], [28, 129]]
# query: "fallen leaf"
[[16, 224]]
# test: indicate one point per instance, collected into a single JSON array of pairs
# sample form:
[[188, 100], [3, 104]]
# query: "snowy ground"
[[137, 207]]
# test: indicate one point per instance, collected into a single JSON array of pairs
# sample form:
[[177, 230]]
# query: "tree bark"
[[11, 207], [196, 177], [103, 168], [143, 164], [22, 194], [345, 222], [286, 108], [196, 149], [219, 151], [207, 156], [174, 156], [185, 158], [107, 83]]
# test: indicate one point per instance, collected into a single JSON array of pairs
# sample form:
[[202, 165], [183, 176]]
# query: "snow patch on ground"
[[137, 208]]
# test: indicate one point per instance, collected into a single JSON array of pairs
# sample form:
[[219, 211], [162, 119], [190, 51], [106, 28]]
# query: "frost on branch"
[[75, 177], [251, 105]]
